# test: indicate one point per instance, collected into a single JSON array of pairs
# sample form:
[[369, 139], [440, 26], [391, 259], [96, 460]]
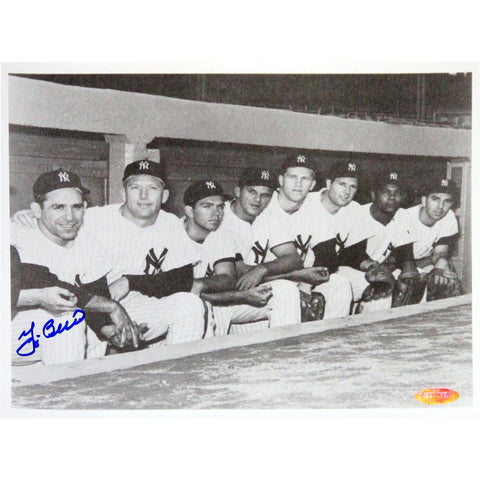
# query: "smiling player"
[[62, 269]]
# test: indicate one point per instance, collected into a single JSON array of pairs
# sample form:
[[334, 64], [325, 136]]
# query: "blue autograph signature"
[[49, 330]]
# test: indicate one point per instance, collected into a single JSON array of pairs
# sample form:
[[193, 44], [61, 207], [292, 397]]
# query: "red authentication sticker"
[[434, 396]]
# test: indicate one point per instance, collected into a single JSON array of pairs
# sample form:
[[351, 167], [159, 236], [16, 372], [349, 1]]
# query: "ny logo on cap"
[[210, 185], [143, 165], [301, 159], [63, 176], [393, 176], [444, 182], [352, 167], [265, 175]]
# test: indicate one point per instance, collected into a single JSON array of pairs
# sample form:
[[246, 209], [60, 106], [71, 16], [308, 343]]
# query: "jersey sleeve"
[[97, 263], [321, 232], [274, 230], [400, 229], [223, 246], [448, 226], [266, 235]]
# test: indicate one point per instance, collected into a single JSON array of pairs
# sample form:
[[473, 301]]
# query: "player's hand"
[[258, 296], [439, 278], [315, 275], [57, 300], [130, 332], [252, 278], [113, 335], [368, 264], [119, 289], [197, 286], [25, 218]]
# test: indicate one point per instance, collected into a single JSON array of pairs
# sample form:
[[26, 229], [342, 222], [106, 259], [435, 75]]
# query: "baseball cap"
[[257, 176], [144, 167], [300, 160], [441, 185], [389, 176], [54, 180], [344, 168], [201, 189]]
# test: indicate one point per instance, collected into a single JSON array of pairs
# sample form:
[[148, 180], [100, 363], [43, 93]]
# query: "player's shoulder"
[[313, 197], [272, 211], [354, 205], [353, 209], [220, 237], [450, 216], [273, 205], [20, 234], [449, 221], [102, 212], [165, 216], [412, 212], [400, 215], [168, 220]]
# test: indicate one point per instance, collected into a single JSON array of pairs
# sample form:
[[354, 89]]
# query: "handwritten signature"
[[49, 330]]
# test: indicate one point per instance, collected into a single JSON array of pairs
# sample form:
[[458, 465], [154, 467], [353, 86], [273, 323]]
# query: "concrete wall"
[[139, 116]]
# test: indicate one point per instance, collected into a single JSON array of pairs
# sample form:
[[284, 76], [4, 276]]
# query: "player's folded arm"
[[326, 255], [94, 297], [38, 276], [231, 297], [441, 256], [288, 259], [163, 284], [223, 279]]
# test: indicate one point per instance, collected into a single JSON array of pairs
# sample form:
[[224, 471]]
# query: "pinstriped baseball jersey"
[[83, 261], [135, 250], [239, 230], [424, 238], [342, 220], [270, 229], [381, 239], [217, 247], [147, 251], [312, 224]]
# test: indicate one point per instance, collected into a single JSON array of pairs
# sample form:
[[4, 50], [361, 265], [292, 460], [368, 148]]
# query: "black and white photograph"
[[201, 241]]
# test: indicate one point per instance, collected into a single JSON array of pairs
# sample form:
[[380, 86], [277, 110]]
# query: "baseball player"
[[296, 215], [374, 231], [60, 270], [277, 303], [152, 264], [433, 226]]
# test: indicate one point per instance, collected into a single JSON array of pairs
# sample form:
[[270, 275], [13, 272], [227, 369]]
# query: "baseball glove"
[[377, 295], [312, 306], [442, 284], [409, 289]]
